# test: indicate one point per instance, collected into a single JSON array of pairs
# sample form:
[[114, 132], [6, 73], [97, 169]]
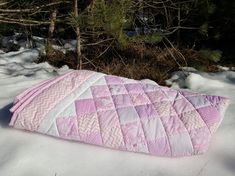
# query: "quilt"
[[120, 113]]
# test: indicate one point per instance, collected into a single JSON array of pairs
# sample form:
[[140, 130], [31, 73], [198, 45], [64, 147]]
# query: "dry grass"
[[136, 62]]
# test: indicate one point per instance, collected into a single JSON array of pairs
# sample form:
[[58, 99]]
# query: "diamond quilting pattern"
[[173, 125], [100, 91], [200, 139], [146, 111], [110, 129], [192, 120], [160, 147], [131, 115], [146, 118], [164, 108], [88, 128], [134, 137], [139, 99], [122, 100], [68, 128], [117, 89], [104, 103]]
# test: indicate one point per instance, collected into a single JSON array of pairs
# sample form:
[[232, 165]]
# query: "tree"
[[78, 35]]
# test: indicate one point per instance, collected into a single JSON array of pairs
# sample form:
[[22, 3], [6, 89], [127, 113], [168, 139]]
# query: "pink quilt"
[[120, 113]]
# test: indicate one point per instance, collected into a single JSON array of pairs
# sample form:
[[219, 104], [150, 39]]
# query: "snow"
[[29, 154], [19, 41]]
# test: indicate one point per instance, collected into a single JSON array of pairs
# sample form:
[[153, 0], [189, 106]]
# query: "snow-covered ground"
[[27, 154]]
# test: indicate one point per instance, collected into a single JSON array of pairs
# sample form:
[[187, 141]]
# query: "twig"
[[177, 51], [105, 50], [99, 42], [32, 9], [90, 62]]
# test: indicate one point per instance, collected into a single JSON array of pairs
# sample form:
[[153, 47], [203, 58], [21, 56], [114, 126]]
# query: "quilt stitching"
[[198, 112], [37, 113], [116, 111], [72, 103], [139, 119], [181, 122], [123, 139], [167, 136]]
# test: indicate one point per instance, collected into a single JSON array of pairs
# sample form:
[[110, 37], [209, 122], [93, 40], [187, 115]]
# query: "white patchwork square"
[[100, 81], [127, 115], [86, 95], [68, 112], [53, 130], [181, 144], [153, 128]]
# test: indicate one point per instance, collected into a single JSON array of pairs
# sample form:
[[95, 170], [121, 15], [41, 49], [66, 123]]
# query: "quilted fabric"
[[120, 113]]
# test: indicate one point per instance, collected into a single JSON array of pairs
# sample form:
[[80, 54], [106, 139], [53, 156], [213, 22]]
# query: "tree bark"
[[78, 36], [51, 31]]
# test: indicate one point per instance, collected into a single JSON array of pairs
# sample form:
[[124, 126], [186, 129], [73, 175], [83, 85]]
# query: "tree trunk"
[[51, 31], [179, 25], [78, 36]]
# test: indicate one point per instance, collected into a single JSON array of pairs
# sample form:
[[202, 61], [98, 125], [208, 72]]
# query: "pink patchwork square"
[[67, 128], [85, 106], [200, 139], [113, 79], [89, 130], [100, 91], [173, 125], [146, 111], [159, 147], [122, 100], [210, 115], [214, 100], [117, 89], [104, 103], [134, 88], [110, 129], [108, 118], [164, 108], [134, 137], [192, 120], [181, 145], [139, 99], [127, 115], [153, 128], [113, 138], [93, 138], [198, 101], [182, 105], [157, 96]]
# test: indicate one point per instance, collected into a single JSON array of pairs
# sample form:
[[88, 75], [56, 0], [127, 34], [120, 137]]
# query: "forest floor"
[[136, 61]]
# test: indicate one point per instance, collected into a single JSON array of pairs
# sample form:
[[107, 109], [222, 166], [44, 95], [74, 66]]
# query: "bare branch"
[[5, 3], [23, 22], [32, 9]]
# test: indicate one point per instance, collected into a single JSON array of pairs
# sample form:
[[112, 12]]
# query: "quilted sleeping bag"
[[120, 113]]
